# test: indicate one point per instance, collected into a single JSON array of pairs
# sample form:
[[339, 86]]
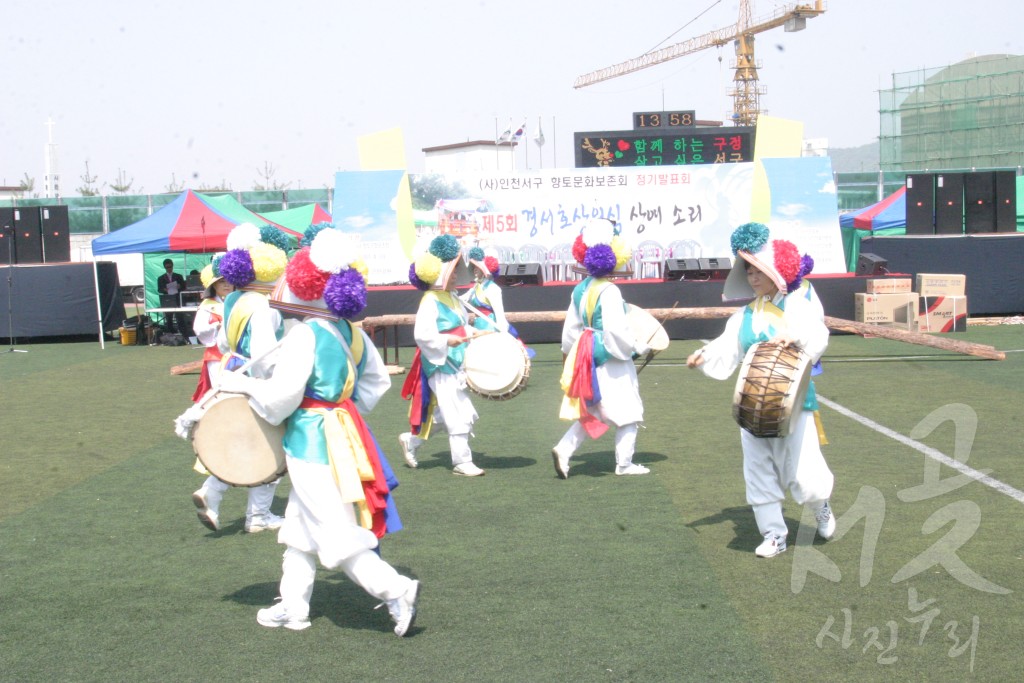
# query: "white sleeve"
[[375, 380], [204, 326], [497, 305], [279, 395], [572, 328], [618, 338], [724, 354], [433, 345], [806, 326]]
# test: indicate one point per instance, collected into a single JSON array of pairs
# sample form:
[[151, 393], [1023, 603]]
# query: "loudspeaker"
[[871, 264], [55, 230], [920, 204], [681, 269], [6, 236], [979, 202], [716, 268], [28, 245], [521, 274], [1006, 201], [949, 204]]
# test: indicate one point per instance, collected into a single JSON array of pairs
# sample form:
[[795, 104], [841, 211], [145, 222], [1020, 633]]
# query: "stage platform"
[[58, 300]]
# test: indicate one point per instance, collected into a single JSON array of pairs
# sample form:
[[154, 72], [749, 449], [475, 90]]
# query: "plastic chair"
[[648, 259], [506, 255], [560, 262], [684, 249]]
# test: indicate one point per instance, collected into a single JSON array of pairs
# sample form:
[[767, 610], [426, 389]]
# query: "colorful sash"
[[417, 390], [360, 469], [579, 373]]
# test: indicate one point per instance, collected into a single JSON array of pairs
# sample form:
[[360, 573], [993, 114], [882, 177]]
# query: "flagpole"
[[497, 146], [526, 147]]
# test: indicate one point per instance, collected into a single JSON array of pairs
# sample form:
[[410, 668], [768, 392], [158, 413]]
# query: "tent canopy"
[[191, 223], [298, 218], [891, 212]]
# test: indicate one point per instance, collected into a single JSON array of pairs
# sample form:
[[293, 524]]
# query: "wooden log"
[[944, 343], [187, 368]]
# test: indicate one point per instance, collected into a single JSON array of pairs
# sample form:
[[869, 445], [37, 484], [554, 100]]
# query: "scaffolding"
[[968, 116]]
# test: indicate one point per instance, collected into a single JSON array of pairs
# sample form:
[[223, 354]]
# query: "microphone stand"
[[10, 292]]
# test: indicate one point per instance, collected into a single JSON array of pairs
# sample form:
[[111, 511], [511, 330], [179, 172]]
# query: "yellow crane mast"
[[746, 93]]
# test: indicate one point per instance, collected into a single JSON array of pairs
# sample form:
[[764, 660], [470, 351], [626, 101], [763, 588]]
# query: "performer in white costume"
[[784, 313], [597, 344], [328, 374]]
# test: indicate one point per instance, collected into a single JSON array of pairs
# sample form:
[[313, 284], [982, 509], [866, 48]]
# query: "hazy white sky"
[[211, 91]]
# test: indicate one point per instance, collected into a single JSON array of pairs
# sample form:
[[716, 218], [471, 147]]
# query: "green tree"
[[429, 188], [89, 188], [122, 185], [266, 179], [26, 185], [174, 187]]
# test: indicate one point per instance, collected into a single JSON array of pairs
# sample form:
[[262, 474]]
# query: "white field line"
[[928, 451]]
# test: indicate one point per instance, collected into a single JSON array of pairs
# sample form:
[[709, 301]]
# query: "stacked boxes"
[[943, 305], [936, 304]]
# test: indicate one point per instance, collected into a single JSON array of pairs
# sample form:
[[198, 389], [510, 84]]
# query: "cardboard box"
[[942, 314], [890, 310], [889, 285], [931, 284]]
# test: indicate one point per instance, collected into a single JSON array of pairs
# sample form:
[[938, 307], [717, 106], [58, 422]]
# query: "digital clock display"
[[643, 120], [664, 148]]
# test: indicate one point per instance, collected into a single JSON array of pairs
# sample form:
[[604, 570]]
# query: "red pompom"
[[579, 249], [304, 279], [491, 264], [787, 259]]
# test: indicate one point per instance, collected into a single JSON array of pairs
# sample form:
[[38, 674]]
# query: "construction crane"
[[747, 92]]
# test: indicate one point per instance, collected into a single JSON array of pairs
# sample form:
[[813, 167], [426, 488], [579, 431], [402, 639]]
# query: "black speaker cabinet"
[[681, 269], [6, 236], [1006, 201], [949, 203], [521, 274], [28, 245], [55, 230], [979, 202], [920, 204], [871, 264], [716, 268]]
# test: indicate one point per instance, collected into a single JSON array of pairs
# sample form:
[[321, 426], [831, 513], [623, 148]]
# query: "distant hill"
[[863, 159]]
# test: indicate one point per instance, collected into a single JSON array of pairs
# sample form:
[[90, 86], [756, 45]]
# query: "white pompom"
[[332, 251], [598, 231], [243, 236]]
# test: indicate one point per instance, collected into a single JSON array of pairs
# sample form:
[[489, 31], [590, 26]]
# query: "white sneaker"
[[826, 521], [207, 515], [561, 464], [632, 468], [267, 522], [277, 615], [771, 546], [468, 469], [408, 449], [403, 609]]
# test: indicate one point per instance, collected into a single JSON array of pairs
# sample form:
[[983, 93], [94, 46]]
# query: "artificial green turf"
[[105, 574]]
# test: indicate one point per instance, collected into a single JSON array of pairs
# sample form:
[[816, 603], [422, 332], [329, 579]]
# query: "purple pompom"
[[345, 293], [415, 281], [806, 266], [236, 267], [600, 260]]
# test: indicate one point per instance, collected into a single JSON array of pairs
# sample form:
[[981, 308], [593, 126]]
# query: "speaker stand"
[[10, 293]]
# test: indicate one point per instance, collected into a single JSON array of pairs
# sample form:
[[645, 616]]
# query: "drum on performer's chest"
[[235, 444], [497, 366], [771, 386]]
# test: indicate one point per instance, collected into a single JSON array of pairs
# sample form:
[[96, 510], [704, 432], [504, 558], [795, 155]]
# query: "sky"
[[211, 93]]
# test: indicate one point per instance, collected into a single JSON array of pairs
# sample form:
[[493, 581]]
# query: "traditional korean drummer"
[[770, 271]]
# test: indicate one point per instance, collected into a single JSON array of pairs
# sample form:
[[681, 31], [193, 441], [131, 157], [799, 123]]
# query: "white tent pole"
[[96, 288]]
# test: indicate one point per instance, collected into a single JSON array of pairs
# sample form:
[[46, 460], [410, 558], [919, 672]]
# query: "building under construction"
[[966, 116]]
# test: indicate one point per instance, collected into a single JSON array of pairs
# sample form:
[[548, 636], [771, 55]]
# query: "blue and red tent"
[[193, 222], [298, 218], [891, 212]]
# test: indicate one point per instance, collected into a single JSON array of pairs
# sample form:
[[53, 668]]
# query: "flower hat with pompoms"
[[600, 250], [326, 279], [255, 258], [486, 263], [434, 268], [780, 260], [211, 275]]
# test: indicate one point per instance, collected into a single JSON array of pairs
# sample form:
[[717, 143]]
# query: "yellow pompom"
[[361, 267], [267, 261], [623, 254], [428, 268]]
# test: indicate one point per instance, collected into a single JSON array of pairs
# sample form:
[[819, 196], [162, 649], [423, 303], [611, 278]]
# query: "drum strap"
[[356, 464], [579, 383]]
